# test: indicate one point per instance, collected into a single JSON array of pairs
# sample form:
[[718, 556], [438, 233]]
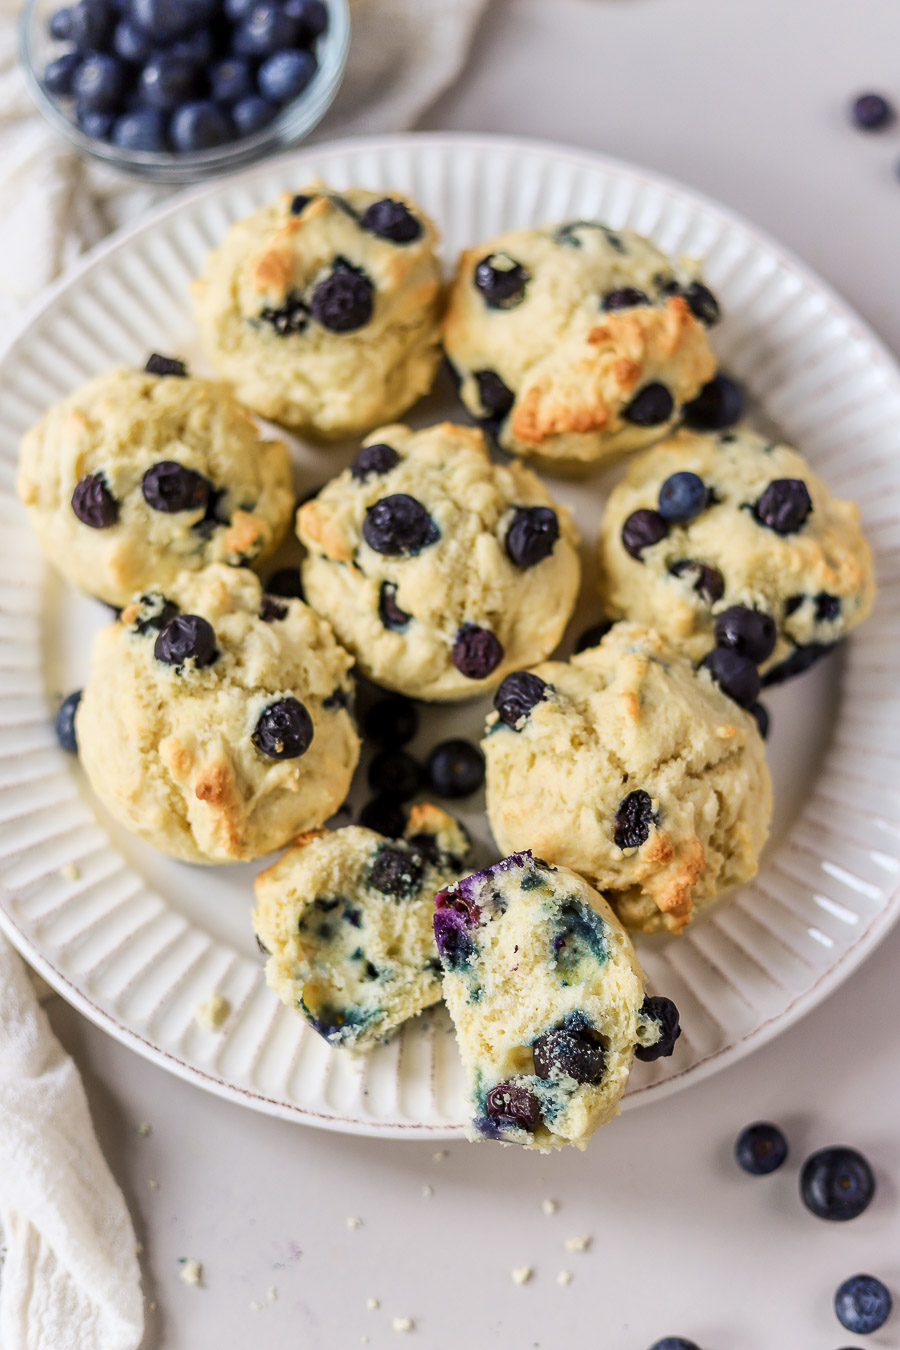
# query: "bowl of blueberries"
[[180, 90]]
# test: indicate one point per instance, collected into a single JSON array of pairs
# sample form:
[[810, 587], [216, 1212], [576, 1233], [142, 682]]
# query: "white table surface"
[[745, 100]]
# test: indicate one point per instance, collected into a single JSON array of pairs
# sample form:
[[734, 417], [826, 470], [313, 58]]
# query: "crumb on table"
[[522, 1274], [211, 1012], [191, 1271]]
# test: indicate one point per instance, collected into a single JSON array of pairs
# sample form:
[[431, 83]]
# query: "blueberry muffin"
[[576, 342], [633, 769], [548, 1001], [439, 570], [733, 547], [323, 309], [346, 919], [215, 723], [141, 475]]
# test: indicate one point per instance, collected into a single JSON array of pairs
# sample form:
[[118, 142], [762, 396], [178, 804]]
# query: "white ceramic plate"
[[136, 941]]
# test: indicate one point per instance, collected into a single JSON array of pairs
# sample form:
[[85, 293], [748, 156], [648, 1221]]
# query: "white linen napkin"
[[70, 1275]]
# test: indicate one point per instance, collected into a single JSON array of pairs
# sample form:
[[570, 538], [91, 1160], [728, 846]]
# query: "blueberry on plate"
[[837, 1184], [394, 773], [286, 74], [252, 114], [719, 404], [871, 112], [862, 1304], [682, 497], [98, 82], [65, 722], [455, 768], [392, 721], [59, 75], [385, 815], [143, 129], [674, 1343], [760, 1148], [231, 80], [199, 126]]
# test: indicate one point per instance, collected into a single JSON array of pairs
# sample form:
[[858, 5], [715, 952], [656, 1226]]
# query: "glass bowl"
[[293, 123]]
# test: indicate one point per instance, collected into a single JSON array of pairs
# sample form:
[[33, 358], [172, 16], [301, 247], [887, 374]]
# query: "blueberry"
[[267, 29], [312, 15], [169, 486], [199, 126], [871, 112], [299, 204], [455, 768], [661, 1010], [59, 25], [143, 129], [494, 396], [760, 715], [286, 582], [238, 10], [398, 525], [508, 1105], [451, 938], [719, 404], [231, 80], [702, 303], [674, 1343], [784, 505], [166, 81], [517, 695], [800, 660], [390, 613], [131, 43], [570, 1050], [290, 318], [186, 637], [501, 280], [65, 722], [97, 125], [59, 75], [862, 1304], [392, 721], [625, 297], [476, 652], [396, 872], [393, 220], [531, 536], [385, 815], [98, 82], [90, 25], [707, 581], [837, 1184], [651, 406], [271, 609], [285, 75], [284, 730], [197, 48], [165, 365], [682, 497], [252, 114], [594, 635], [736, 675], [162, 20], [93, 503], [373, 459], [641, 530], [394, 773], [751, 632], [760, 1149], [633, 819], [828, 607], [344, 301]]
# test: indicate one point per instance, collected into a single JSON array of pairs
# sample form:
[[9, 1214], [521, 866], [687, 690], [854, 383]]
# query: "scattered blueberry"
[[286, 582], [837, 1184], [625, 297], [707, 581], [760, 1149], [531, 536], [394, 773], [674, 1343], [398, 525], [65, 722], [373, 459], [385, 815], [390, 613], [736, 675], [199, 126], [495, 397], [397, 872], [517, 694], [703, 304], [594, 635], [455, 768], [284, 730], [651, 406], [90, 24], [663, 1011], [186, 637], [682, 497], [165, 365], [862, 1304], [163, 20], [60, 74], [501, 280], [344, 301], [93, 503], [286, 74], [476, 652], [231, 80], [871, 112], [59, 25], [784, 506], [751, 632], [393, 220], [570, 1050], [143, 129], [510, 1105], [169, 486], [760, 714], [97, 83], [252, 114], [633, 820], [392, 721], [641, 530], [718, 405]]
